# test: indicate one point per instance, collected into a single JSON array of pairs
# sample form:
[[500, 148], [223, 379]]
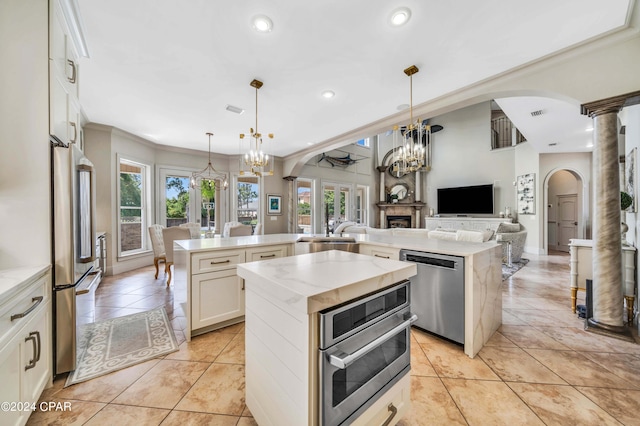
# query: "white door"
[[567, 220]]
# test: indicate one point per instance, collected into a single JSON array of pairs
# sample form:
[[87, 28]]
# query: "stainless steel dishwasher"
[[437, 293]]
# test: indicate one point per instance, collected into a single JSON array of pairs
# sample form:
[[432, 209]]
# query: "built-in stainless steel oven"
[[364, 350]]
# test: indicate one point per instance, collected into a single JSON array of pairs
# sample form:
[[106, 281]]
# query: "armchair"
[[157, 243], [194, 229], [170, 235], [512, 237], [240, 230]]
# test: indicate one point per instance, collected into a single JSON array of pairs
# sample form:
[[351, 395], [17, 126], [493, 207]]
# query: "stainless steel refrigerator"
[[74, 251]]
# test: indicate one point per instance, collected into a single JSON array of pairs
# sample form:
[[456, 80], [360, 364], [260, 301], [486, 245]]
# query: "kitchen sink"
[[317, 244]]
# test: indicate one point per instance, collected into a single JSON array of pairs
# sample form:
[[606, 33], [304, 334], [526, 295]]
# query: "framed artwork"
[[526, 187], [274, 204], [630, 178]]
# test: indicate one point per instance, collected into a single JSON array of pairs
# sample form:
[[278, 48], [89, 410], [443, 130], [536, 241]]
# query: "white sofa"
[[440, 233]]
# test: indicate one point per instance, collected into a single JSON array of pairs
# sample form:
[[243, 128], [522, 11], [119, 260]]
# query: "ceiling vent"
[[235, 109], [553, 144], [536, 113]]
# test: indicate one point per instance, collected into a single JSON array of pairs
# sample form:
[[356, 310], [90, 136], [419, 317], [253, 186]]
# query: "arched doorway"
[[567, 214]]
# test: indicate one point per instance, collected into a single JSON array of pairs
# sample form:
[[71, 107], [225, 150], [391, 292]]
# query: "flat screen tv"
[[477, 199]]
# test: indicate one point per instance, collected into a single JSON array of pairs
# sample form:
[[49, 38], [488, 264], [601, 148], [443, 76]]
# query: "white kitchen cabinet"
[[378, 251], [216, 294], [64, 93], [217, 297], [25, 341]]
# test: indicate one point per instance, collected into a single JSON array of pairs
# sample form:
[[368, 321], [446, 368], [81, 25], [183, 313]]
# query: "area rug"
[[507, 271], [110, 345]]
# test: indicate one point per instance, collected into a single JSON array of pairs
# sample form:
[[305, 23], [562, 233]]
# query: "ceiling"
[[165, 69]]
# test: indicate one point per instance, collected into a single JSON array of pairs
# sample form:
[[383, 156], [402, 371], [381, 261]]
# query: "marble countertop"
[[315, 281], [11, 279], [455, 248]]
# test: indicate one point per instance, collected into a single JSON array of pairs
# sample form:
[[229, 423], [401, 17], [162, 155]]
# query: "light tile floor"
[[541, 367]]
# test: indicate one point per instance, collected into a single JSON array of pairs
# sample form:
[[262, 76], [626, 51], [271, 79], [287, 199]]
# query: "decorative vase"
[[623, 230]]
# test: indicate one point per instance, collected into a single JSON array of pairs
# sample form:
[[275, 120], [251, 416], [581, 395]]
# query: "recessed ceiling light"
[[402, 107], [262, 23], [589, 144], [589, 129], [400, 16], [328, 94]]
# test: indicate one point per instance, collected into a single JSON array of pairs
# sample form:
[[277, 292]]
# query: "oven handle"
[[344, 360]]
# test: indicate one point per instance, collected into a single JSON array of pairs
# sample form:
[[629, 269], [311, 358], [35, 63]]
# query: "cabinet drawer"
[[35, 294], [216, 261], [383, 252], [266, 253], [393, 405]]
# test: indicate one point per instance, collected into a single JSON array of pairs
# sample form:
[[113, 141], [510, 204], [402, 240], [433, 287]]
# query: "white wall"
[[25, 168], [527, 160], [630, 117], [462, 156]]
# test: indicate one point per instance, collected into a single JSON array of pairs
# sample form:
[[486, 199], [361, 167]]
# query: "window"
[[133, 205], [248, 202], [337, 207], [304, 211], [362, 202], [364, 142]]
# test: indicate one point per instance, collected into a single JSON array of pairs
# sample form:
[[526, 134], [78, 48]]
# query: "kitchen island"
[[207, 284], [282, 330]]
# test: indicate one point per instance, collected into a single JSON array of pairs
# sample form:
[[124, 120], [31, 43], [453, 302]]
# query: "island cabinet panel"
[[217, 297], [382, 252], [277, 362]]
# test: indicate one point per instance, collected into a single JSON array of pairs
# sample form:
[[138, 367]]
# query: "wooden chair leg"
[[155, 262], [168, 269]]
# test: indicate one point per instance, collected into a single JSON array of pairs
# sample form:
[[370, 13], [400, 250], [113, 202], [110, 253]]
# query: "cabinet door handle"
[[75, 131], [37, 333], [266, 256], [37, 301], [72, 79], [393, 410], [32, 361], [384, 257], [218, 263]]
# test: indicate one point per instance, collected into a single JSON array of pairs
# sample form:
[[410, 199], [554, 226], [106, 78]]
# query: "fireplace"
[[399, 221]]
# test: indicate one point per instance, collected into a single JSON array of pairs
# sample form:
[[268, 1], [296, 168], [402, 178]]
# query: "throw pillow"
[[472, 236], [508, 227], [486, 235]]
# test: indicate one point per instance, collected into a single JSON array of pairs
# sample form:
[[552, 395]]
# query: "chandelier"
[[255, 160], [411, 143], [208, 173]]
